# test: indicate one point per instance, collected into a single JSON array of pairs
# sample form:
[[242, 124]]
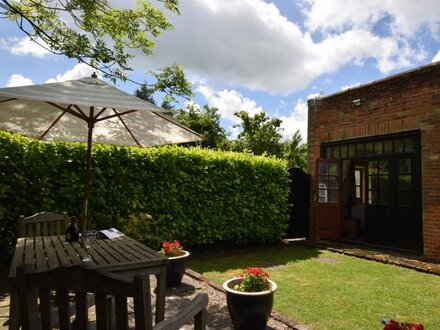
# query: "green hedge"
[[195, 195]]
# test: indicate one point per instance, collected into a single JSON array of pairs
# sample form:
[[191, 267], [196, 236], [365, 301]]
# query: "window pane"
[[398, 145], [388, 146], [383, 198], [332, 169], [405, 166], [332, 196], [383, 167], [357, 177], [372, 197], [343, 151], [352, 150], [323, 181], [360, 149], [404, 182], [372, 182], [372, 167], [383, 181], [336, 152], [323, 195], [332, 182], [378, 148], [404, 198], [358, 192], [368, 149], [323, 168], [328, 152], [409, 144]]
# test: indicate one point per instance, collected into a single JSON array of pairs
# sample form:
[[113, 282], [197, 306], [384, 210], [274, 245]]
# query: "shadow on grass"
[[235, 257]]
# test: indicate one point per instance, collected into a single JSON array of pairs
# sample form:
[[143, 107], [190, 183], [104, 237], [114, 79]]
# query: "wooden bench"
[[42, 224]]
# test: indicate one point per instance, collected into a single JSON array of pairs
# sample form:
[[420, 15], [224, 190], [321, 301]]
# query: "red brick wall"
[[404, 102]]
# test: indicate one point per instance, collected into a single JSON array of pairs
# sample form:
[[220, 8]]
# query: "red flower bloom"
[[394, 325], [171, 249], [254, 280]]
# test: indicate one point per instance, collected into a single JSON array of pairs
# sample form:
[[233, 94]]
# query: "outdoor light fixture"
[[358, 102]]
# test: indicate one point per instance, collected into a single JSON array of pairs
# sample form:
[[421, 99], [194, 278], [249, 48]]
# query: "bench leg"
[[160, 294], [14, 310]]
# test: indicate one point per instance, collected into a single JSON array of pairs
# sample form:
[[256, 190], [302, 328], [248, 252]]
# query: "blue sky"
[[259, 55]]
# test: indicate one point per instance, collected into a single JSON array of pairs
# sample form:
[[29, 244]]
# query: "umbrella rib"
[[84, 116], [8, 100], [126, 127], [118, 114], [54, 122], [99, 113], [81, 114]]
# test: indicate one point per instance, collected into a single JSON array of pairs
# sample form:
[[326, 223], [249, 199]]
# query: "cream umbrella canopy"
[[88, 110]]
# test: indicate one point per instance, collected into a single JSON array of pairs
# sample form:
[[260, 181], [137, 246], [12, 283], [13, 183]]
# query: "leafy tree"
[[145, 93], [170, 82], [97, 34], [205, 121], [260, 134], [295, 152]]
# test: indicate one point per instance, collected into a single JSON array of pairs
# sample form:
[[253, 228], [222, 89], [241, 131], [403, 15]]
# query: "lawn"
[[326, 290]]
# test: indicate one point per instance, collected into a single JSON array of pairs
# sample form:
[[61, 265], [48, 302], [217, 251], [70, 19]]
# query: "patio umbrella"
[[88, 110]]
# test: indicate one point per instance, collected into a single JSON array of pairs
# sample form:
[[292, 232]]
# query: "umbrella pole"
[[87, 173]]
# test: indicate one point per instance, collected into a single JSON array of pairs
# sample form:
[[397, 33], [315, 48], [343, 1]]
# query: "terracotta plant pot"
[[176, 269], [249, 310]]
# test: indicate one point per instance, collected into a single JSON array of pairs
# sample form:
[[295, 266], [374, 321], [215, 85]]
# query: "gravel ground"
[[218, 316]]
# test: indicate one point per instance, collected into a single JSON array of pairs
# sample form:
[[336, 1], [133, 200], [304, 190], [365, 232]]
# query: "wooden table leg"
[[160, 295], [14, 309]]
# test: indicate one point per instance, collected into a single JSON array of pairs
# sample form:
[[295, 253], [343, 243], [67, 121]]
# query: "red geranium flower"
[[171, 249]]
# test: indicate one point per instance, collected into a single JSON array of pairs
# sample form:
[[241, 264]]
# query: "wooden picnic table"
[[122, 255]]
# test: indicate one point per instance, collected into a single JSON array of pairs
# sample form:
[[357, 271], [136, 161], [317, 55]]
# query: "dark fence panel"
[[299, 197]]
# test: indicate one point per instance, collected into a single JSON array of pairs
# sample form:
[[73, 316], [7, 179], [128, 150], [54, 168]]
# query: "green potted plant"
[[249, 298], [177, 262]]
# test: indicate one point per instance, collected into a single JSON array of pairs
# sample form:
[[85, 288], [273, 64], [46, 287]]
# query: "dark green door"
[[393, 211]]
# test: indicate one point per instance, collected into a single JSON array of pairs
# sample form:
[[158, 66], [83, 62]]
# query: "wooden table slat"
[[121, 250], [60, 250], [104, 257], [29, 251], [52, 258], [40, 256], [112, 246], [136, 251], [72, 252]]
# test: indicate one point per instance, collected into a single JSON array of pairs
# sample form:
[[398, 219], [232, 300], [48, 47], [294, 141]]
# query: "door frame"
[[327, 201]]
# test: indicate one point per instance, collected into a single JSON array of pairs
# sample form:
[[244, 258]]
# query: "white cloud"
[[228, 102], [314, 96], [436, 57], [297, 120], [25, 46], [401, 18], [80, 70], [245, 43], [343, 88], [18, 80], [248, 43]]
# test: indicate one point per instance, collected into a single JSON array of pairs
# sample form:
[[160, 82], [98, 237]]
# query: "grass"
[[326, 290]]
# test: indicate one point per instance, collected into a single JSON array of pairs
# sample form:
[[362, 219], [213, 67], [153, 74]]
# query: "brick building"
[[374, 160]]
